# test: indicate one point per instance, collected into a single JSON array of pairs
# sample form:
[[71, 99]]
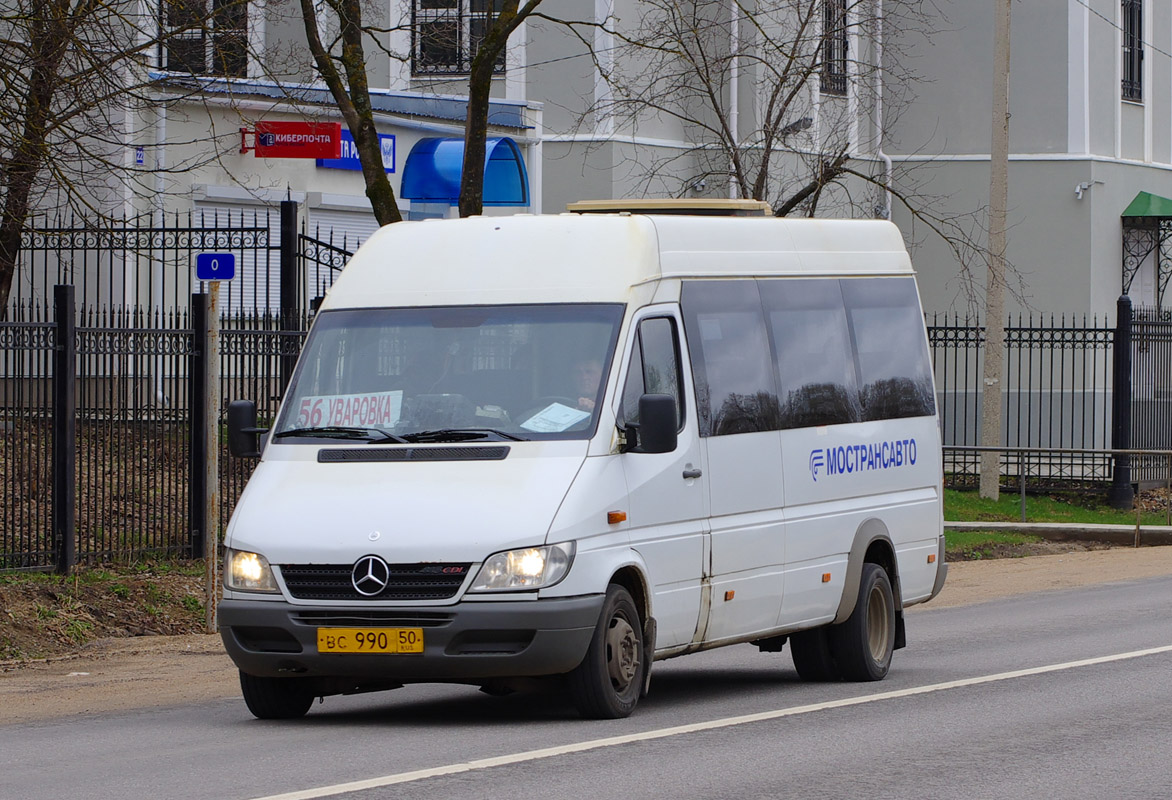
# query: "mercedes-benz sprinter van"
[[569, 446]]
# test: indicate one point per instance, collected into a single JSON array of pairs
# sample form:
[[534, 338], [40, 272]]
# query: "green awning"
[[1149, 205]]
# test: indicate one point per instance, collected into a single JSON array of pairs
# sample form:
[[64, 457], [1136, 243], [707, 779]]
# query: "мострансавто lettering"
[[849, 459]]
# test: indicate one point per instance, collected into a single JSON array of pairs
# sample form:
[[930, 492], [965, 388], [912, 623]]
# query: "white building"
[[1091, 131]]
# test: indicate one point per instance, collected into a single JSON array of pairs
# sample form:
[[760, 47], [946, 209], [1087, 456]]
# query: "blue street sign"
[[215, 266], [349, 153]]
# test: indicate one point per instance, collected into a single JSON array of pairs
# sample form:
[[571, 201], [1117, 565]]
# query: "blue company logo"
[[849, 459], [817, 462]]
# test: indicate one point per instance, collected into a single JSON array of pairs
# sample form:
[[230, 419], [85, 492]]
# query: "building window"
[[447, 33], [834, 43], [1133, 50], [205, 37]]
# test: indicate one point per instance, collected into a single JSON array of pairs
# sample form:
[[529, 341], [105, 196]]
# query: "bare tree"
[[73, 79], [778, 100], [506, 20], [342, 65]]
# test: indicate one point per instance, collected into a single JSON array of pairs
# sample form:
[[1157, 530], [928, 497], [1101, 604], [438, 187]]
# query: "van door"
[[667, 496], [740, 424]]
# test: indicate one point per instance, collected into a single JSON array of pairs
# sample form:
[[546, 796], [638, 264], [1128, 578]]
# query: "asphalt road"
[[1055, 695]]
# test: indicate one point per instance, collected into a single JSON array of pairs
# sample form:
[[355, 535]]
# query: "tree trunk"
[[479, 92], [51, 35], [475, 136], [353, 99]]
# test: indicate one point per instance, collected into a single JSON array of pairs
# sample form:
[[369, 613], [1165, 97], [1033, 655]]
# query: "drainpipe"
[[734, 80], [879, 109]]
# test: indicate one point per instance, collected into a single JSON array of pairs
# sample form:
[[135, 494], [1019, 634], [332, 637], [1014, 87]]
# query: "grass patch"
[[43, 614], [192, 604], [969, 506]]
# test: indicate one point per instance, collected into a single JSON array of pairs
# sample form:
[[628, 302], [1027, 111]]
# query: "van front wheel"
[[862, 645], [276, 698], [607, 684]]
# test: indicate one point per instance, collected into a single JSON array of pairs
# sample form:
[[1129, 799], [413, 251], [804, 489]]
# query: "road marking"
[[679, 730]]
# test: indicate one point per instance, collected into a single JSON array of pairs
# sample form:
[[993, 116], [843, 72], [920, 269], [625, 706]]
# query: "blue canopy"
[[432, 172]]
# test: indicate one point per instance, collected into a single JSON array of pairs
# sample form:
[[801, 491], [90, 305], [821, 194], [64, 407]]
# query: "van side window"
[[815, 365], [887, 328], [736, 390], [654, 369]]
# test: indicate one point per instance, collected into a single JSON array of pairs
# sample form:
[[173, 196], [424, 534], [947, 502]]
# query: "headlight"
[[518, 570], [248, 572]]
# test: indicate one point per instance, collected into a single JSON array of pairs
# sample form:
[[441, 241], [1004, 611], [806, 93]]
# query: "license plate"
[[370, 640]]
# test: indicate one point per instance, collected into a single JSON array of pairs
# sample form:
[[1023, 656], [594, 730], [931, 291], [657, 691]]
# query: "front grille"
[[392, 618], [407, 581]]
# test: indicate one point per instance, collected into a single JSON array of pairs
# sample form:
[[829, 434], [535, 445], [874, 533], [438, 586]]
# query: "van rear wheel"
[[608, 682], [862, 645], [276, 698]]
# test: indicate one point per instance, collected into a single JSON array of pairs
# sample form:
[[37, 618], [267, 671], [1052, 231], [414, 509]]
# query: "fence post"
[[1121, 494], [64, 431], [290, 284], [197, 411]]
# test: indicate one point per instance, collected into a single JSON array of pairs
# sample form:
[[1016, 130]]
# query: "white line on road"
[[663, 733]]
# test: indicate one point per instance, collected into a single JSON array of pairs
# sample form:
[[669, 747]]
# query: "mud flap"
[[900, 632], [649, 630]]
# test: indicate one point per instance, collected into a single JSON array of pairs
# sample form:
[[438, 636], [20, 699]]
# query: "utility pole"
[[995, 278], [211, 552]]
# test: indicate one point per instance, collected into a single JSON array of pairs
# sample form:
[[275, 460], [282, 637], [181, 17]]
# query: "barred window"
[[205, 37], [447, 33], [834, 45], [1133, 50]]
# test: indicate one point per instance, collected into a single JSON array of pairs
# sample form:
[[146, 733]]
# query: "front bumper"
[[464, 643]]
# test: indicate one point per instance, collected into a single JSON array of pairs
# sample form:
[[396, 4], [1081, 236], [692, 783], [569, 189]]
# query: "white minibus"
[[568, 446]]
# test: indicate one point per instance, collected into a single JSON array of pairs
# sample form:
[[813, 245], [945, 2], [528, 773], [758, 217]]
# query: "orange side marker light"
[[729, 595], [615, 517], [826, 577], [932, 558]]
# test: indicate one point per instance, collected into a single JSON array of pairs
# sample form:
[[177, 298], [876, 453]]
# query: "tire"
[[812, 657], [276, 698], [862, 645], [608, 682]]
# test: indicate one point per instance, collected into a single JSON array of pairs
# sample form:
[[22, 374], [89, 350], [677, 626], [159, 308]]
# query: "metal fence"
[[137, 472], [26, 425], [132, 431], [1151, 390], [1056, 395], [144, 266], [133, 474]]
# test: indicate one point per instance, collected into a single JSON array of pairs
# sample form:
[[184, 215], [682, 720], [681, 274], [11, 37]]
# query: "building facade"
[[1090, 131], [579, 114]]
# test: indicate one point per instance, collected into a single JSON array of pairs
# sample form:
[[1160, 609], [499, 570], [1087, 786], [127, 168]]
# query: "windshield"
[[451, 374]]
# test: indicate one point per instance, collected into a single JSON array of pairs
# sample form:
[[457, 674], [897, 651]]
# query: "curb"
[[1064, 532]]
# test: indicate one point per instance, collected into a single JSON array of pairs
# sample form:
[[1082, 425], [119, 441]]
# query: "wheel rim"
[[622, 654], [878, 624]]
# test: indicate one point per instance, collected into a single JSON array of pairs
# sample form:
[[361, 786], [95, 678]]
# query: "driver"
[[587, 375]]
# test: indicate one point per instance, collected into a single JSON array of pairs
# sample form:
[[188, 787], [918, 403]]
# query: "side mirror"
[[243, 435], [658, 432]]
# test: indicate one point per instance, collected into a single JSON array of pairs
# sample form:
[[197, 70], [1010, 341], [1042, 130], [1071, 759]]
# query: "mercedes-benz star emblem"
[[370, 575]]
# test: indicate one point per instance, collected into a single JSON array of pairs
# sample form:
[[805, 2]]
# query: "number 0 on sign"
[[215, 266]]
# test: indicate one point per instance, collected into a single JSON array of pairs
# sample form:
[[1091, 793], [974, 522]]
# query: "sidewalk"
[[1070, 532]]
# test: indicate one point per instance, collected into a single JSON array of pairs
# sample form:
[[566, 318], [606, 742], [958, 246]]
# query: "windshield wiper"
[[342, 432], [459, 435]]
